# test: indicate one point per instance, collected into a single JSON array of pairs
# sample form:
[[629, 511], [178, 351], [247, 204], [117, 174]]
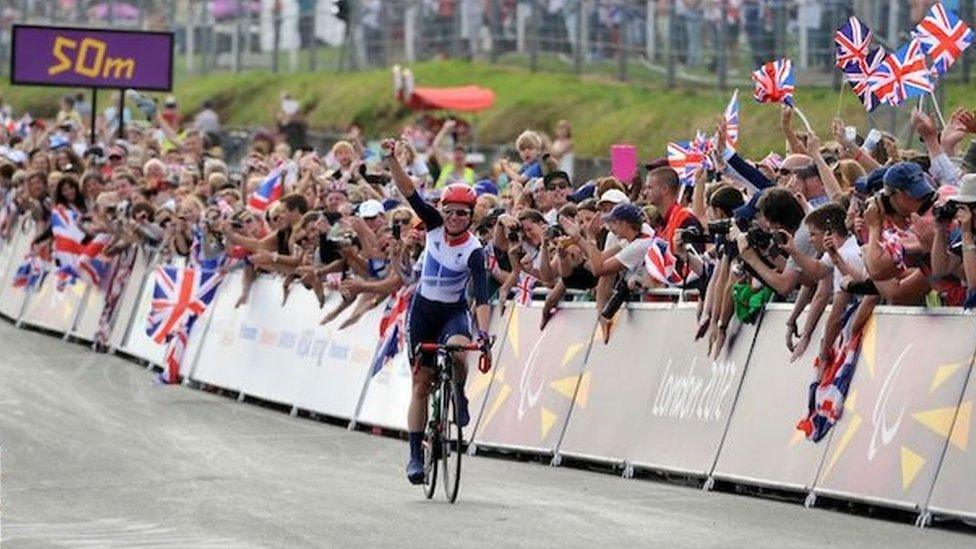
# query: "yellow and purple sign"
[[91, 58]]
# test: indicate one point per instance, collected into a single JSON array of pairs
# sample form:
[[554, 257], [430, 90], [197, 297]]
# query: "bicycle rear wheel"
[[452, 440]]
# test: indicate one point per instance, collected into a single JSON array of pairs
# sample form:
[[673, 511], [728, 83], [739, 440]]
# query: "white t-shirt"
[[851, 253], [631, 256]]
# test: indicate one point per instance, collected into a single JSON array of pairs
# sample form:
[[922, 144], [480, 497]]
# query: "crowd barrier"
[[650, 399]]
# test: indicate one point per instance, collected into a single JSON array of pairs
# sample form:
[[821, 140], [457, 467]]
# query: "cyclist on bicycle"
[[439, 311]]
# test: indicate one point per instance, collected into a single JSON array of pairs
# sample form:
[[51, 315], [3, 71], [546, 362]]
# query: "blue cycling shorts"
[[435, 322]]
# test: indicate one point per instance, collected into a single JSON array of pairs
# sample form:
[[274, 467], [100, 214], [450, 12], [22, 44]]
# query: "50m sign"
[[91, 58]]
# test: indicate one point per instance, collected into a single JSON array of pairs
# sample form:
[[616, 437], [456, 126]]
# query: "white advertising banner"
[[334, 384], [130, 294], [138, 344], [763, 445], [12, 299], [52, 309]]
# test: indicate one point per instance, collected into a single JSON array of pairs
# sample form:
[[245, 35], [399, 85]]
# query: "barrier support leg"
[[810, 501], [293, 412], [241, 397], [709, 484], [924, 519], [557, 460], [23, 307], [628, 470], [472, 449]]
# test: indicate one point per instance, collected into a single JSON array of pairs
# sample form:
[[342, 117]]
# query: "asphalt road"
[[95, 455]]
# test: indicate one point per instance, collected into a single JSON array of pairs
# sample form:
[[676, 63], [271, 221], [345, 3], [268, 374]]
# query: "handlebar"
[[434, 347], [484, 361]]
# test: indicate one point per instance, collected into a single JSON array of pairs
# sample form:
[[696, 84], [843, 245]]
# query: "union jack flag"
[[943, 37], [774, 82], [663, 266], [853, 42], [68, 236], [732, 120], [903, 75], [704, 145], [175, 349], [30, 273], [523, 289], [825, 399], [686, 159], [91, 265], [180, 296], [393, 327], [76, 258], [268, 191], [862, 78]]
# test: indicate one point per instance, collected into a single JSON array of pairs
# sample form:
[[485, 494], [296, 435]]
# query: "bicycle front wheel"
[[432, 449], [451, 441]]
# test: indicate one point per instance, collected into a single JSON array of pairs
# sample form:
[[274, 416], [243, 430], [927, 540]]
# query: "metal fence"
[[705, 42]]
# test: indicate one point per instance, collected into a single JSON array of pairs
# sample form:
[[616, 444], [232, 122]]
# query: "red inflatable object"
[[463, 98]]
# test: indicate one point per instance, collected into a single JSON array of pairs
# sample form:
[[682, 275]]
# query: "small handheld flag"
[[862, 77], [943, 38], [732, 120], [268, 192], [686, 159], [853, 42], [774, 82], [903, 75]]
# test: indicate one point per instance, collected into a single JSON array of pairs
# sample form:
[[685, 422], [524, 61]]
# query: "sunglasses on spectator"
[[457, 213]]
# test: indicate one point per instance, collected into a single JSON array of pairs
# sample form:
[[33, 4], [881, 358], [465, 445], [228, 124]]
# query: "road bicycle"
[[444, 437]]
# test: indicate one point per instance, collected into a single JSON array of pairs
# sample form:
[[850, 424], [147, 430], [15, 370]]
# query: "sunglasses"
[[457, 213]]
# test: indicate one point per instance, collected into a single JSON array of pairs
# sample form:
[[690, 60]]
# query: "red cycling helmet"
[[459, 193]]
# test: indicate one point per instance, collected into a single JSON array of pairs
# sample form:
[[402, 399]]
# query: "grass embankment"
[[602, 111]]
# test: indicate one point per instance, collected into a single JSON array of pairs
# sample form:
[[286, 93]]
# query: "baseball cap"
[[552, 176], [908, 178], [370, 208], [485, 186], [615, 196], [587, 190], [625, 212], [967, 190], [872, 182]]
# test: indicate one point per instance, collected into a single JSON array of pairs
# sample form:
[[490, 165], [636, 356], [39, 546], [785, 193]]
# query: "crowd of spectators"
[[852, 219]]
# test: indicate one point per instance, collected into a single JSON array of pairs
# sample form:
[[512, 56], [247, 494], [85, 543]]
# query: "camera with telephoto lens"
[[945, 213], [720, 228], [693, 236], [620, 295]]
